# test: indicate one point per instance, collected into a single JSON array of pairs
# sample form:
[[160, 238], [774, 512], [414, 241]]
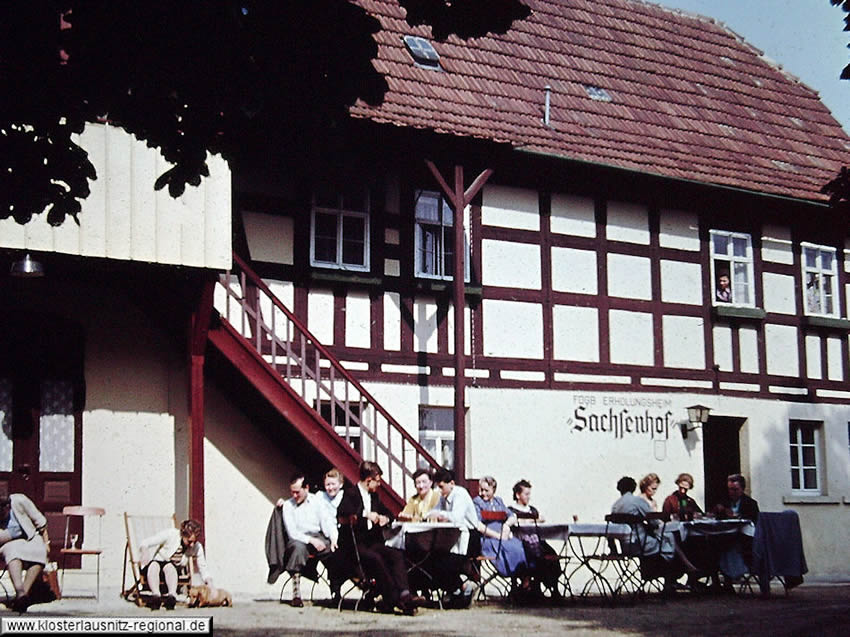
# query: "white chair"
[[77, 515]]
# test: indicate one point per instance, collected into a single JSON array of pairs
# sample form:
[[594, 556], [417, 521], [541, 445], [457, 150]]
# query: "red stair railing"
[[245, 301]]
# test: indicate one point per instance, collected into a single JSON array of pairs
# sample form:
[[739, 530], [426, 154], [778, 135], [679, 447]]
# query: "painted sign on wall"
[[621, 416]]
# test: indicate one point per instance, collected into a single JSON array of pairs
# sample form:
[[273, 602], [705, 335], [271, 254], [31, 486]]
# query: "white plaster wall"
[[425, 325], [776, 244], [813, 357], [681, 282], [574, 271], [270, 237], [572, 216], [129, 447], [501, 338], [510, 264], [320, 315], [576, 333], [245, 470], [679, 230], [284, 291], [684, 342], [358, 320], [748, 350], [722, 337], [779, 293], [556, 454], [631, 337], [467, 334], [835, 368], [781, 346], [629, 276], [125, 218], [392, 321], [627, 222], [510, 207]]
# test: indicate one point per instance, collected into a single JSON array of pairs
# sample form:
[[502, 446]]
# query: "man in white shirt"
[[455, 506], [311, 531]]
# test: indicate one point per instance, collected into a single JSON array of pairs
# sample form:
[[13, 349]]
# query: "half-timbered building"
[[625, 200]]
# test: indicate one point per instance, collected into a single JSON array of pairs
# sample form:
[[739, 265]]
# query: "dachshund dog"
[[203, 596]]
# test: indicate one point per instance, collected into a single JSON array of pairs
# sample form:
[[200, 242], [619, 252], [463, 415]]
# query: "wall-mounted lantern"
[[697, 417]]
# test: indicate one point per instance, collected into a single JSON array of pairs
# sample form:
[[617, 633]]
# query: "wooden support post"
[[459, 200], [198, 334]]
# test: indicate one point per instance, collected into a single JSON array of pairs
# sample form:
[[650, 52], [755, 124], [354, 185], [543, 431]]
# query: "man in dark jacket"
[[362, 517], [738, 504]]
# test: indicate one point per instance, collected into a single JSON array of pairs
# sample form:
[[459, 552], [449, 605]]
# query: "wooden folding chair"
[[138, 528]]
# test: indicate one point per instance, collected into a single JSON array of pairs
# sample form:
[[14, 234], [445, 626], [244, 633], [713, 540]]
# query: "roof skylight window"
[[422, 51], [597, 93]]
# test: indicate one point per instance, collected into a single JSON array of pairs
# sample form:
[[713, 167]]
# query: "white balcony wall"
[[125, 218]]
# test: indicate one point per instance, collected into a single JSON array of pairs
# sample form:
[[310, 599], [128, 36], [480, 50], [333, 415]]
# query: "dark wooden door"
[[41, 417], [721, 455]]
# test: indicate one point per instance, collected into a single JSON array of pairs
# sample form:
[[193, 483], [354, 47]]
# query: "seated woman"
[[23, 544], [164, 552], [541, 557], [648, 486], [679, 502], [496, 541], [425, 499]]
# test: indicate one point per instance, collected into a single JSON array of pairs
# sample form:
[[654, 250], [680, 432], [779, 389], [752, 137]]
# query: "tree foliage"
[[188, 78]]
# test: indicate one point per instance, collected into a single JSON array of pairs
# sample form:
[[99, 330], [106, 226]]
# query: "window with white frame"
[[339, 230], [437, 433], [804, 446], [435, 237], [820, 276], [732, 268]]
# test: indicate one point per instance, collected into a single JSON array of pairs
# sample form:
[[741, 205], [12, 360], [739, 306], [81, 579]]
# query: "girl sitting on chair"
[[163, 553]]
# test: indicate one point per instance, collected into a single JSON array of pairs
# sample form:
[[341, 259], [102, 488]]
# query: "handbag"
[[46, 588]]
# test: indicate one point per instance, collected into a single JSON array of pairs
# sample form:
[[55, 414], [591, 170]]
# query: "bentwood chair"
[[487, 573], [75, 546]]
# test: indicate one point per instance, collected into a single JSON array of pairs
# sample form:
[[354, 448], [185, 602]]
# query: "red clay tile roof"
[[689, 98]]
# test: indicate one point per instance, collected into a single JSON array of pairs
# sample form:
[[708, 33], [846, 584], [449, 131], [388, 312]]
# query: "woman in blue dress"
[[496, 541]]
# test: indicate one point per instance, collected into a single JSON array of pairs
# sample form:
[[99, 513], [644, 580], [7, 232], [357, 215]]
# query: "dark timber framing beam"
[[459, 199]]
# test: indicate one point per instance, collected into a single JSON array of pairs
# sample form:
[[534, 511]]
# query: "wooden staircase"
[[308, 386]]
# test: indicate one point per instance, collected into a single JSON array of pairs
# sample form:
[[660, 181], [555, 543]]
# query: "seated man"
[[736, 558], [361, 541], [425, 499], [310, 528], [456, 506], [163, 553], [737, 504]]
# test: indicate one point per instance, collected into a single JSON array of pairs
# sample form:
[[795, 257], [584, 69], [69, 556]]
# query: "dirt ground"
[[810, 610]]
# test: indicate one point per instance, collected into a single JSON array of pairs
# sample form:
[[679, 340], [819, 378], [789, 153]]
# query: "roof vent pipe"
[[547, 101]]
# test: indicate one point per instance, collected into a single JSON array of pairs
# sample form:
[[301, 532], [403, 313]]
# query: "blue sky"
[[805, 36]]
